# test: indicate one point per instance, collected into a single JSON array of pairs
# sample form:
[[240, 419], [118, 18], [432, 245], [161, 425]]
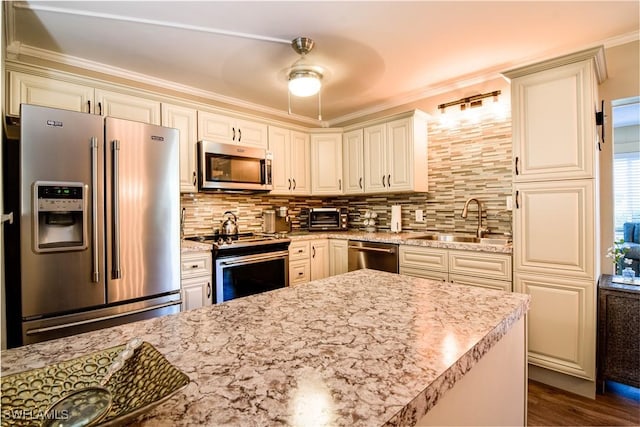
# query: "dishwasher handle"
[[371, 249]]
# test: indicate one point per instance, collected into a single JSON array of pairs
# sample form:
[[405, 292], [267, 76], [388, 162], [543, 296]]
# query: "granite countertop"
[[191, 246], [366, 348], [404, 238]]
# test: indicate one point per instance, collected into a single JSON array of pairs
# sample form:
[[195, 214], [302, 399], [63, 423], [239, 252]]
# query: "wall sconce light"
[[471, 101]]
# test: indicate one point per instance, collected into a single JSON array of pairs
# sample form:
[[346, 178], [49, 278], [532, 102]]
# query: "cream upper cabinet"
[[554, 227], [185, 120], [291, 161], [554, 130], [230, 130], [326, 164], [395, 155], [129, 107], [36, 90], [353, 162], [561, 323], [338, 257]]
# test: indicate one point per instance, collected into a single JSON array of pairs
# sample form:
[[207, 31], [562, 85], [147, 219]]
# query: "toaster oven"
[[323, 219]]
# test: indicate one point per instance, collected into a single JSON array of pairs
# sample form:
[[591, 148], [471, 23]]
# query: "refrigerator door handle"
[[116, 273], [95, 275]]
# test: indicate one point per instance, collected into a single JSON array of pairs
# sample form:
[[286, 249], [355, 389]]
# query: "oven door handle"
[[254, 259]]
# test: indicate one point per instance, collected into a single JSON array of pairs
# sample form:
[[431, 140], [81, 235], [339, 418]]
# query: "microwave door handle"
[[116, 273], [95, 270]]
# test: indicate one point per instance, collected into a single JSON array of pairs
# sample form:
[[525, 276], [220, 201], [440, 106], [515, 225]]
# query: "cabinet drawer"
[[195, 265], [483, 282], [425, 274], [299, 272], [492, 266], [299, 250], [423, 258]]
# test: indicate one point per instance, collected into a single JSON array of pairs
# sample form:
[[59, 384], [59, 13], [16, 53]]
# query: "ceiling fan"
[[305, 78]]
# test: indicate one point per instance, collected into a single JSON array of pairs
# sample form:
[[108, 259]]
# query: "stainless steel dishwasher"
[[377, 256]]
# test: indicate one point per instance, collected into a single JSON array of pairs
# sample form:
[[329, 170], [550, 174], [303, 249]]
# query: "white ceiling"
[[378, 54]]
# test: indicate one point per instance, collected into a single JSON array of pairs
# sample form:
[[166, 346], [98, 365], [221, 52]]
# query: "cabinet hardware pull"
[[389, 180], [194, 177], [517, 173], [383, 181], [233, 138], [300, 251], [89, 104], [289, 183], [517, 196], [360, 183], [208, 289], [300, 273], [100, 108], [294, 184], [239, 134], [340, 184], [194, 266], [313, 252]]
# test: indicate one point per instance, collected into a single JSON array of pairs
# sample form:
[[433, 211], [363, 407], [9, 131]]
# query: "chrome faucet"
[[480, 232]]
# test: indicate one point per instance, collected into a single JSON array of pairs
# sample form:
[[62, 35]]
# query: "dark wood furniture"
[[618, 333]]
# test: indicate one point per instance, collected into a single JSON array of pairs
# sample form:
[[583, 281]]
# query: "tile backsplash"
[[469, 160]]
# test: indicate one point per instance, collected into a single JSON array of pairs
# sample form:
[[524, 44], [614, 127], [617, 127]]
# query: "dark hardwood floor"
[[549, 406]]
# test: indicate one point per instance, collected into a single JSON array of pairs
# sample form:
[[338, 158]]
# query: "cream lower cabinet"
[[185, 120], [338, 257], [561, 323], [483, 269], [291, 166], [308, 260], [326, 164], [231, 130], [196, 280]]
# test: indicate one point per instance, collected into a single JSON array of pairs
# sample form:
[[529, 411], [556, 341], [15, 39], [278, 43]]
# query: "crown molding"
[[22, 50]]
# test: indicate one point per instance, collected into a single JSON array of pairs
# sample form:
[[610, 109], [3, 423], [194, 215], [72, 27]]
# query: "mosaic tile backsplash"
[[468, 160]]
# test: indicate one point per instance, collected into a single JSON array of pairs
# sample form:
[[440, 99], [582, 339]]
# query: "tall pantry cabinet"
[[556, 223]]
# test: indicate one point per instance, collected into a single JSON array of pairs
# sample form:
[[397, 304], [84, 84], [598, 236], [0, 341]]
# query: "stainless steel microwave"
[[233, 168], [321, 219]]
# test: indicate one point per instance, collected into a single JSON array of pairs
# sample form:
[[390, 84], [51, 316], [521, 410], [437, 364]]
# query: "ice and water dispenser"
[[59, 216]]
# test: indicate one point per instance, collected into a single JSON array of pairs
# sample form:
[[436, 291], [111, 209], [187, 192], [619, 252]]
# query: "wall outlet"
[[509, 203], [419, 215]]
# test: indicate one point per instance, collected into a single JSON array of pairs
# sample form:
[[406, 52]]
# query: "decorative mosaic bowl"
[[146, 380]]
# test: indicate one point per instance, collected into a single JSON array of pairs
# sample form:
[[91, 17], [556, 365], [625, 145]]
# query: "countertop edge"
[[429, 397]]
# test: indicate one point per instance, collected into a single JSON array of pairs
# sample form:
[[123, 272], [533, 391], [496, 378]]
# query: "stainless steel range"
[[247, 264]]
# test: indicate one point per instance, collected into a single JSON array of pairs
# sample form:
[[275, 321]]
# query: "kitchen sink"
[[462, 239]]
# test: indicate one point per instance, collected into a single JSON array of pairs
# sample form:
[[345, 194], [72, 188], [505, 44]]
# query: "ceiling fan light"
[[304, 83]]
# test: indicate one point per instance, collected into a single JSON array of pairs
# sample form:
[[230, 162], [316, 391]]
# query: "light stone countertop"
[[366, 348], [191, 246], [404, 238]]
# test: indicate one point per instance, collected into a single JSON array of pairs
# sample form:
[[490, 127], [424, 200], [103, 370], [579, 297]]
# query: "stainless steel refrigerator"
[[96, 242]]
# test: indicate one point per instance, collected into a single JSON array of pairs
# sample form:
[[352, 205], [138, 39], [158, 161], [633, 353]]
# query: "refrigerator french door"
[[98, 240]]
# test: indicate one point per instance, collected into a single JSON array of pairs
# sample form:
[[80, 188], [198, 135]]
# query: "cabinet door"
[[28, 89], [279, 146], [554, 228], [128, 107], [561, 323], [338, 257], [326, 164], [185, 120], [215, 127], [196, 293], [319, 259], [353, 162], [399, 154], [251, 134], [300, 164], [554, 123], [299, 272], [375, 154]]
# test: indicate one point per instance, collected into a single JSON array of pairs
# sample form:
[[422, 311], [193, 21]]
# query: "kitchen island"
[[365, 348]]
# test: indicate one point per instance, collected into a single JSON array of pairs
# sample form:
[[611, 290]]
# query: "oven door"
[[244, 275]]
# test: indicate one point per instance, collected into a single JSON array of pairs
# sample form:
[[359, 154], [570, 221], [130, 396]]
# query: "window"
[[626, 162]]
